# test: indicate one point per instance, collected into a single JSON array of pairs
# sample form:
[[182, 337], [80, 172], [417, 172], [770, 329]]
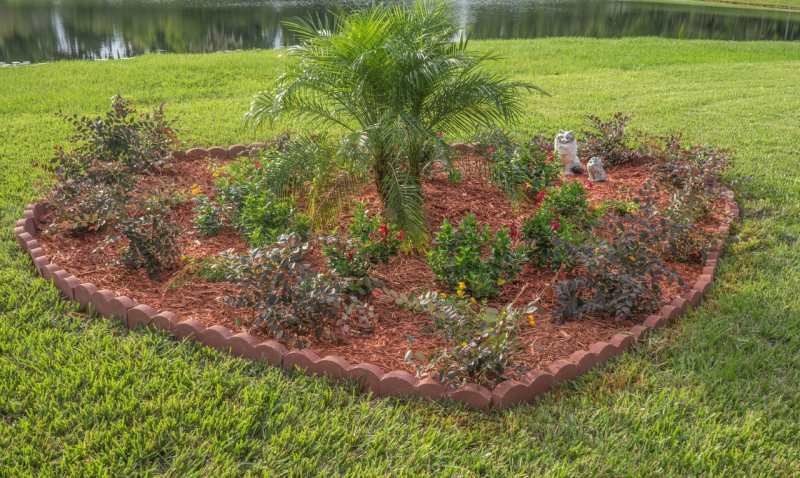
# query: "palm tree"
[[393, 76]]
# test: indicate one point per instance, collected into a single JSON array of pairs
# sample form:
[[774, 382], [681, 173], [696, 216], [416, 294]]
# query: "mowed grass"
[[717, 394]]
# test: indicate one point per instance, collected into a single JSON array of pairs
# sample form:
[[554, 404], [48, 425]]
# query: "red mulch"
[[95, 259]]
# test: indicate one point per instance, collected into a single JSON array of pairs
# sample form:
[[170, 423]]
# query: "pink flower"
[[540, 196], [550, 156], [555, 225]]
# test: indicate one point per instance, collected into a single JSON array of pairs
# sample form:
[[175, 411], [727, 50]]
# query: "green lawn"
[[716, 394]]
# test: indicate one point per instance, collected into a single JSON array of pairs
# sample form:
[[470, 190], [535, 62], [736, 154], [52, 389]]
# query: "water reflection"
[[40, 30]]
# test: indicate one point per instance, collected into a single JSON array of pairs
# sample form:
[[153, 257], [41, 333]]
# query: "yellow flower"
[[461, 288], [196, 190], [216, 173], [531, 320], [501, 281]]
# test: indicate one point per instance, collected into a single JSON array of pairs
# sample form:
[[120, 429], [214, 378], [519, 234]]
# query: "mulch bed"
[[95, 258]]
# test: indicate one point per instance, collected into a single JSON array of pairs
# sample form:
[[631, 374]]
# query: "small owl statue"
[[566, 147], [596, 171]]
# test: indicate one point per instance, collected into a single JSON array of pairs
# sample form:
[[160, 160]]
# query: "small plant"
[[95, 177], [152, 237], [208, 216], [562, 220], [371, 242], [606, 140], [291, 301], [619, 277], [471, 260], [264, 218], [684, 243], [483, 338], [519, 170]]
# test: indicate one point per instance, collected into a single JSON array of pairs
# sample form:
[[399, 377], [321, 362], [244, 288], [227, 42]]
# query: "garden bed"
[[95, 259], [482, 272]]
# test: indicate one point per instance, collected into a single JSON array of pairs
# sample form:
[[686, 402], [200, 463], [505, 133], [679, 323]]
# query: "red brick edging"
[[396, 383]]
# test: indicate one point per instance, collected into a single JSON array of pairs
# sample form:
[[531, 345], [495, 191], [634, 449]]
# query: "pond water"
[[43, 30]]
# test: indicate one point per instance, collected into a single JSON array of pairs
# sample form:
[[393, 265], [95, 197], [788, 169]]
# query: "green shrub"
[[208, 216], [293, 302], [469, 259], [481, 338], [152, 237], [563, 220], [370, 242], [520, 170]]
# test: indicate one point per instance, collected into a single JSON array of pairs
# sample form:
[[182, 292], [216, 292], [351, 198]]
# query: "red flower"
[[540, 196], [383, 231], [589, 185], [550, 156], [513, 232], [555, 225], [400, 236], [257, 165], [490, 150]]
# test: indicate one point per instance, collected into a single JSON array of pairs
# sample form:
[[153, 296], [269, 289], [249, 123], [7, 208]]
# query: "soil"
[[96, 258]]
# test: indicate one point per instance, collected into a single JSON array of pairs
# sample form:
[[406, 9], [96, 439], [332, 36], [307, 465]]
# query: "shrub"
[[519, 170], [95, 177], [606, 140], [482, 337], [264, 218], [140, 143], [291, 301], [208, 216], [618, 277], [471, 260], [152, 237], [562, 220], [394, 76], [371, 242], [684, 243]]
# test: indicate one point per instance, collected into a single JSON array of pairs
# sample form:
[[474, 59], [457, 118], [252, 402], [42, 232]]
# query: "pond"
[[44, 30]]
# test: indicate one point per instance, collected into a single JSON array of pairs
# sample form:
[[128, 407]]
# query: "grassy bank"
[[716, 394]]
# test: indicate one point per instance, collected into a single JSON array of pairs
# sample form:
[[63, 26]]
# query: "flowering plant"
[[471, 260]]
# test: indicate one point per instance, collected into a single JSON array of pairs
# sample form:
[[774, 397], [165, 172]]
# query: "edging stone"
[[396, 383]]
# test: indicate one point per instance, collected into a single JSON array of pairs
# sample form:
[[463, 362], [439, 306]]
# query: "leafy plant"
[[471, 260], [208, 216], [264, 218], [482, 338], [393, 76], [152, 237], [519, 170], [95, 177], [371, 242], [606, 139], [620, 276], [562, 220], [291, 301]]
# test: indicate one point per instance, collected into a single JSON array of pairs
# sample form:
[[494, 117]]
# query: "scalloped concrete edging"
[[396, 383]]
